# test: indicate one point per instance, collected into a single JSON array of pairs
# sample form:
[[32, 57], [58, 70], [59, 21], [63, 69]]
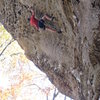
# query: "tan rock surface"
[[71, 59]]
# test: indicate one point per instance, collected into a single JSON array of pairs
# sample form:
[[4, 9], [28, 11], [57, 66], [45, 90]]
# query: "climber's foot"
[[59, 31]]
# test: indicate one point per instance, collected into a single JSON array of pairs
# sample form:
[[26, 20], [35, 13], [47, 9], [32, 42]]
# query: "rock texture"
[[71, 60]]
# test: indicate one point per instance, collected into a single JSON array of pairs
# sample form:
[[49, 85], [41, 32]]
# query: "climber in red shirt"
[[39, 24], [34, 21]]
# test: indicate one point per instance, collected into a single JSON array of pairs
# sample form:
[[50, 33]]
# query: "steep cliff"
[[71, 59]]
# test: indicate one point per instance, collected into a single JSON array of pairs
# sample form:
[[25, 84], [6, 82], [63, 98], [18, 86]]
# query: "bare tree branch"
[[47, 97], [6, 46], [55, 94], [3, 43], [16, 54], [65, 97]]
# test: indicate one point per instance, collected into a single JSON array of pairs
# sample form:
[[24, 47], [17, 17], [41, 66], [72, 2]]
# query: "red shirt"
[[34, 22]]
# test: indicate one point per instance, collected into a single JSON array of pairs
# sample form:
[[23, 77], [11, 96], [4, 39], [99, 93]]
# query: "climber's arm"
[[33, 13], [48, 18]]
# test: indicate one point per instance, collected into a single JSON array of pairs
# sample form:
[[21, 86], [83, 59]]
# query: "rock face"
[[71, 60]]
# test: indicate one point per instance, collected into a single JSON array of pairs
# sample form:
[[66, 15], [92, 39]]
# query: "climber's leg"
[[52, 30]]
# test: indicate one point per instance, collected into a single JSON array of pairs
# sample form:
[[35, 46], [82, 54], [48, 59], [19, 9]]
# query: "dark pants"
[[41, 24]]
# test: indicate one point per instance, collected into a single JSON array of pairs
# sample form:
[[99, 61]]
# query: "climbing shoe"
[[59, 31]]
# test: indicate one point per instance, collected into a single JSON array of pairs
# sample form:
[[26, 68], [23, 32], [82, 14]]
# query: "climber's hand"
[[52, 18], [33, 13]]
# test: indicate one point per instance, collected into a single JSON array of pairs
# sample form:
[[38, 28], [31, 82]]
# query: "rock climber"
[[40, 24]]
